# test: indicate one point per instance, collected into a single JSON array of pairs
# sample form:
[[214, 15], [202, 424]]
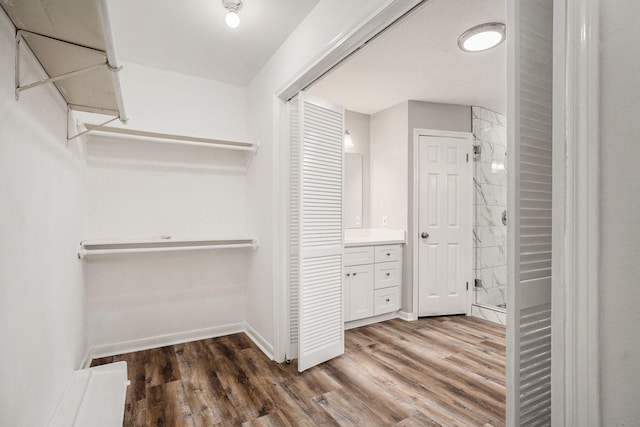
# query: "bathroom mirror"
[[352, 214]]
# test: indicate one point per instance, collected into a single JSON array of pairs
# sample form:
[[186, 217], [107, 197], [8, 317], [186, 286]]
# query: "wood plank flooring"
[[441, 371]]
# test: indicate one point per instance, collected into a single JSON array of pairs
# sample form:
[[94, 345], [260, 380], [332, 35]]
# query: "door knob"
[[424, 235]]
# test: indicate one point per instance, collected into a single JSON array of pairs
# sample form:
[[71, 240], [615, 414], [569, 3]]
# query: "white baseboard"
[[259, 340], [370, 320], [405, 315], [86, 359], [163, 340]]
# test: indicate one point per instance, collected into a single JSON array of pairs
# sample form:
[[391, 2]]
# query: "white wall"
[[170, 102], [389, 172], [265, 181], [392, 168], [359, 126], [143, 190], [42, 299], [620, 210]]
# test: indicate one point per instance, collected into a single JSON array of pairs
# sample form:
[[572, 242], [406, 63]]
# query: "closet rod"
[[121, 133], [253, 244]]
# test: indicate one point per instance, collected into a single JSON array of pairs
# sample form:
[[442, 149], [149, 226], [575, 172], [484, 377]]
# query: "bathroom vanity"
[[372, 275]]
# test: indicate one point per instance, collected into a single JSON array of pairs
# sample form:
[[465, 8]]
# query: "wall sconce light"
[[348, 142], [233, 6]]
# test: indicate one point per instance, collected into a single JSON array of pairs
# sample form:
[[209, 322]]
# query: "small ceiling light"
[[482, 37], [233, 6], [348, 142]]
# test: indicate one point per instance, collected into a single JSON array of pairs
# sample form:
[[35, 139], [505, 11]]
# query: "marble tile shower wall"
[[490, 201]]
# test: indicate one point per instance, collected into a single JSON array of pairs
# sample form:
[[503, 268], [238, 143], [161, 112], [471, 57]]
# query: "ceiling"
[[191, 36], [419, 59]]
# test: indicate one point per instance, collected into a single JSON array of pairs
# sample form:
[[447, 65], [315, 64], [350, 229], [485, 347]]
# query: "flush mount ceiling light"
[[482, 37], [233, 6]]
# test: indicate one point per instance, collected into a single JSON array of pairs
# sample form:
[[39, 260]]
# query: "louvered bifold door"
[[530, 27], [320, 321]]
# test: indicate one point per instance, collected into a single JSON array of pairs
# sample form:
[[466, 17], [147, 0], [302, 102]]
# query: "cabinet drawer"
[[386, 300], [358, 255], [388, 253], [387, 274]]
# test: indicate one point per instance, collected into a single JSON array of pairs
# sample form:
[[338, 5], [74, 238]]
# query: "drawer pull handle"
[[354, 274], [388, 274], [388, 254], [388, 300], [348, 274]]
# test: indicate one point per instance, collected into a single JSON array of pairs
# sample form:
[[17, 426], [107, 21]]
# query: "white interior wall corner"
[[42, 309], [139, 189]]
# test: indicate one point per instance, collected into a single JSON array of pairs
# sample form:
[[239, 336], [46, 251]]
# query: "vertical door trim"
[[415, 176], [575, 312], [281, 350], [513, 223]]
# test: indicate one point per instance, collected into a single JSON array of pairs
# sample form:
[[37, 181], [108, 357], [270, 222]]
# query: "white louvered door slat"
[[320, 162], [530, 126]]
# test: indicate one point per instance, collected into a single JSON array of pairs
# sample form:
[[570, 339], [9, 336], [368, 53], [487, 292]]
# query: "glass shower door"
[[490, 205]]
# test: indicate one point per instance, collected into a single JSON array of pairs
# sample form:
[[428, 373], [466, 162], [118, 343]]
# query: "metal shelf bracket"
[[19, 88]]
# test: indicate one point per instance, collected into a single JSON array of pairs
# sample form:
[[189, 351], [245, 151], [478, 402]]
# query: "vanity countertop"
[[372, 236]]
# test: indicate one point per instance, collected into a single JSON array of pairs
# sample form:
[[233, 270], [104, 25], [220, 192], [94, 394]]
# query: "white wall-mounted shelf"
[[95, 397], [161, 244], [73, 42], [107, 132]]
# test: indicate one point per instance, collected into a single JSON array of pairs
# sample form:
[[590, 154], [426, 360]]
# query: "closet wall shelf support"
[[162, 244], [132, 134], [73, 44], [84, 132], [19, 36]]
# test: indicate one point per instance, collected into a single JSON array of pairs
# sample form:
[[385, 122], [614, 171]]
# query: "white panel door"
[[444, 224], [320, 305], [529, 115]]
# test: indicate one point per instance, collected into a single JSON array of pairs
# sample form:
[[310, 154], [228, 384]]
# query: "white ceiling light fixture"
[[233, 6], [482, 37], [348, 142]]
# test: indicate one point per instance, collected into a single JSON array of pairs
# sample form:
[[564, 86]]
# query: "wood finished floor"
[[442, 371]]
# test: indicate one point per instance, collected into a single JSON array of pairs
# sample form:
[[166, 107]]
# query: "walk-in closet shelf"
[[72, 40], [161, 244], [107, 132]]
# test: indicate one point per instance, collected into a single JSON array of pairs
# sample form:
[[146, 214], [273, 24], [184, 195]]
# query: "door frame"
[[575, 363], [415, 214], [576, 139], [383, 17]]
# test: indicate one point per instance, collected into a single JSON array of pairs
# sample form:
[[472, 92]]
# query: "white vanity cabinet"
[[372, 279]]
